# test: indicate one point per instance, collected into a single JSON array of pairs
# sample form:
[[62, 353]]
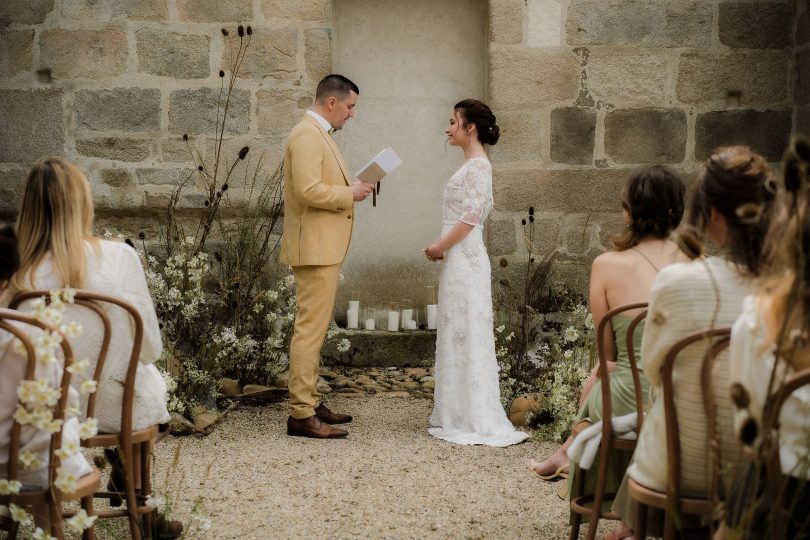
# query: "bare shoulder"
[[610, 260]]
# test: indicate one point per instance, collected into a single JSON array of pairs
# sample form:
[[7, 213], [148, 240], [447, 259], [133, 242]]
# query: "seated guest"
[[34, 442], [777, 316], [653, 204], [692, 296]]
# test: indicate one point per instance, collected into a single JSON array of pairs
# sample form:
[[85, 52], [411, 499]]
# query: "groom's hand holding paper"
[[376, 169]]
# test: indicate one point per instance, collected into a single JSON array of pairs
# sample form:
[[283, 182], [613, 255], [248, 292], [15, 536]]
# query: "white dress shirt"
[[327, 127]]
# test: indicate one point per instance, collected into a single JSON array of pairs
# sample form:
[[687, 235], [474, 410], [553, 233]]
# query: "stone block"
[[279, 110], [84, 11], [12, 182], [629, 79], [120, 109], [560, 190], [118, 148], [521, 77], [521, 136], [802, 22], [579, 234], [35, 119], [380, 348], [195, 111], [501, 237], [655, 23], [180, 56], [646, 135], [545, 23], [802, 90], [766, 132], [232, 11], [750, 78], [145, 10], [272, 53], [16, 52], [162, 177], [318, 53], [116, 177], [93, 54], [803, 120], [300, 10], [572, 135], [756, 25], [24, 11], [608, 229], [506, 21], [176, 149]]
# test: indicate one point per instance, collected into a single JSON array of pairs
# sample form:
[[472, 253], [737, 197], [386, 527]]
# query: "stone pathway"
[[389, 479]]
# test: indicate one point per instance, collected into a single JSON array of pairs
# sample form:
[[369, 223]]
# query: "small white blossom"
[[157, 502], [69, 448], [9, 487], [39, 534], [88, 428], [571, 334], [30, 460], [81, 521], [501, 328], [65, 481], [72, 330], [88, 387], [568, 353], [79, 367], [19, 515], [344, 345]]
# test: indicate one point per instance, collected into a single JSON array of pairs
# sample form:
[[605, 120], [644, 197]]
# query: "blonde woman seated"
[[653, 204], [754, 339], [57, 250], [34, 443], [692, 296]]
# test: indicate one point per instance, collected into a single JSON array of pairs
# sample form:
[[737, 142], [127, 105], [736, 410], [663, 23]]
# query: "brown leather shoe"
[[332, 417], [313, 427]]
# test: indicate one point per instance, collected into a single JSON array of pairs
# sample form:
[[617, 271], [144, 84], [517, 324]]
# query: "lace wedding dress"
[[467, 406]]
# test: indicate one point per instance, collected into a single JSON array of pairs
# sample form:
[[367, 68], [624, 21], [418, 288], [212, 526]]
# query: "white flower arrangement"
[[20, 515], [81, 521]]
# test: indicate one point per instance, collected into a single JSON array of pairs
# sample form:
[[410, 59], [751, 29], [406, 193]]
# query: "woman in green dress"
[[653, 204]]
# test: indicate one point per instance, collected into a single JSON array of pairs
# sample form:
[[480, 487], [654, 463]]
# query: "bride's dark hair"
[[476, 112]]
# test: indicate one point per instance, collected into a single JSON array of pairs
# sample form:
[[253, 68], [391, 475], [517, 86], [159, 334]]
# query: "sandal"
[[560, 473]]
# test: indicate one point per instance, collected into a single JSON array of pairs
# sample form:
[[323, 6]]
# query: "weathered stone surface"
[[545, 23], [303, 10], [272, 53], [657, 23], [803, 120], [122, 149], [608, 229], [802, 90], [176, 149], [24, 11], [279, 110], [572, 135], [318, 54], [767, 132], [501, 237], [629, 79], [380, 348], [579, 233], [215, 10], [521, 136], [565, 191], [158, 177], [116, 177], [16, 51], [150, 10], [524, 77], [752, 78], [94, 54], [84, 10], [180, 56], [646, 135], [36, 120], [120, 109], [756, 25], [11, 187], [802, 22], [506, 21], [195, 111]]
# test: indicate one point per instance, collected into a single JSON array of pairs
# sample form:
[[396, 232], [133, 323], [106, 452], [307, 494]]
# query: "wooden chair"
[[49, 495], [671, 501], [129, 443], [590, 504]]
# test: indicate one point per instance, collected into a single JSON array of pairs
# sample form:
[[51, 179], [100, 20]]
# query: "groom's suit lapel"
[[333, 147]]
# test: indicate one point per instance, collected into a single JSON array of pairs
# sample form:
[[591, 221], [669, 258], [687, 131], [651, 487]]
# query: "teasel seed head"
[[224, 187], [241, 31], [225, 32], [185, 136], [199, 167], [249, 31], [243, 152], [221, 74], [141, 235]]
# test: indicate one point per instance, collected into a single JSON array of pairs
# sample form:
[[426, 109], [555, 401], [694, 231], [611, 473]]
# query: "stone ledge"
[[375, 348]]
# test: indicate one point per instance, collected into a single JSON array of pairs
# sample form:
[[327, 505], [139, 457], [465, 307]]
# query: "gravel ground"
[[389, 479]]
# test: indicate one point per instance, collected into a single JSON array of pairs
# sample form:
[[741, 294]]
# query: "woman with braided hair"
[[653, 204]]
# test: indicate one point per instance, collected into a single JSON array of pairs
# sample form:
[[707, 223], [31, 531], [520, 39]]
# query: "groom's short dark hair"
[[335, 85]]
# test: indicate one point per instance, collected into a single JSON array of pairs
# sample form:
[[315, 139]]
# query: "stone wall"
[[584, 91]]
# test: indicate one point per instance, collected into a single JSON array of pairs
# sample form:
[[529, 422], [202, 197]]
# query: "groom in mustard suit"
[[319, 201]]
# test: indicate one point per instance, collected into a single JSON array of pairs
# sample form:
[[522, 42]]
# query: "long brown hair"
[[55, 221]]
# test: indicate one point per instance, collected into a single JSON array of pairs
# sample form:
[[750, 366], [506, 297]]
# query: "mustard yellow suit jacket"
[[318, 201]]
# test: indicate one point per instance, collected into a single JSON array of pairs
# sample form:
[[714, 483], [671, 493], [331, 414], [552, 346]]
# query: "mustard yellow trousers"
[[315, 289]]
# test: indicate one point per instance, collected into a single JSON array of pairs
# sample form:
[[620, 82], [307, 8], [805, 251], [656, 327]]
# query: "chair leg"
[[135, 522], [641, 521], [55, 509], [87, 506], [576, 490], [146, 483], [13, 530], [670, 531]]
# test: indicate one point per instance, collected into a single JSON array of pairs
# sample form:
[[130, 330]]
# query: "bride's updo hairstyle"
[[476, 112], [739, 185], [654, 198]]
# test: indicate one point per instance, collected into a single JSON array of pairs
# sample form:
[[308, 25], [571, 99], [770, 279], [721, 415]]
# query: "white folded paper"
[[382, 164]]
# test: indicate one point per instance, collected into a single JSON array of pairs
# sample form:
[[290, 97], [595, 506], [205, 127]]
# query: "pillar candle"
[[371, 324], [411, 325], [393, 321], [355, 305], [352, 317], [432, 310], [407, 317]]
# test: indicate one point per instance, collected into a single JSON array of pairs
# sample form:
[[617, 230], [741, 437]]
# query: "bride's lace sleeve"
[[477, 193]]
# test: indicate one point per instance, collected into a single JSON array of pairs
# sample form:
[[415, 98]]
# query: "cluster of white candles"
[[408, 322]]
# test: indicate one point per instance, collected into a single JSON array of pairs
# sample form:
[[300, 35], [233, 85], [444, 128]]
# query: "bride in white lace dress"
[[467, 407]]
